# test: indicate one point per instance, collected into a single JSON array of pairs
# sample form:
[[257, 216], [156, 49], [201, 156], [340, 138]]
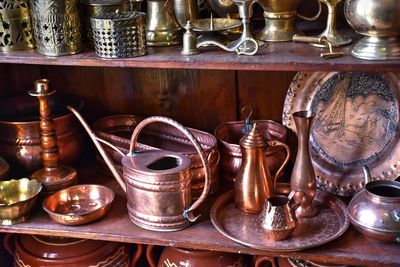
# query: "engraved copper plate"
[[330, 223], [356, 123]]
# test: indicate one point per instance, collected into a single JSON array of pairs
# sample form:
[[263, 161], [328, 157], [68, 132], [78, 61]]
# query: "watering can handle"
[[189, 135]]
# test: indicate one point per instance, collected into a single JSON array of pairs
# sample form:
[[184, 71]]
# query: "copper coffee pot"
[[157, 182], [254, 182]]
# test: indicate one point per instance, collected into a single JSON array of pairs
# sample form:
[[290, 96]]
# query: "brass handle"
[[313, 17], [279, 143], [308, 39], [196, 144]]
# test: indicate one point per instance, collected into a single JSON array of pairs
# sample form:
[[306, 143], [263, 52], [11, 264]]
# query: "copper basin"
[[229, 134], [79, 204], [20, 132]]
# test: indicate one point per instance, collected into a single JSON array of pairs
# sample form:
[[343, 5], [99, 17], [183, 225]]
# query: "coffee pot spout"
[[367, 174], [96, 140]]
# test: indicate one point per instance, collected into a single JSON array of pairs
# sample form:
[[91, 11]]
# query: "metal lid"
[[118, 16], [104, 2], [253, 138]]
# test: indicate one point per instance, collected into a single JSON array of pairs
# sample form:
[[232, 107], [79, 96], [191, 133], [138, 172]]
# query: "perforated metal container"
[[93, 8], [15, 26], [119, 34]]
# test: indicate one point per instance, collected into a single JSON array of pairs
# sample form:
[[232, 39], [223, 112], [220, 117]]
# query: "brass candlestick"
[[52, 176]]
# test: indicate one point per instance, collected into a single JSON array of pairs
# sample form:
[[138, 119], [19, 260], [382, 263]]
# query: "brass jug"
[[163, 28], [280, 18], [254, 182], [157, 182]]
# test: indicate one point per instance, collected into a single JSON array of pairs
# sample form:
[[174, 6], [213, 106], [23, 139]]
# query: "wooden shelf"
[[285, 56], [351, 248]]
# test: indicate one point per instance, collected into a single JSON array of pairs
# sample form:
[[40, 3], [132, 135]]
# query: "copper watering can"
[[157, 182]]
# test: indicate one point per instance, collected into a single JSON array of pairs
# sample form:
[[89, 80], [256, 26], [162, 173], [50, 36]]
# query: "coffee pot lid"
[[253, 138]]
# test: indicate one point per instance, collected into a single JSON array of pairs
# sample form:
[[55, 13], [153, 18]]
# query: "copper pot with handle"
[[157, 182]]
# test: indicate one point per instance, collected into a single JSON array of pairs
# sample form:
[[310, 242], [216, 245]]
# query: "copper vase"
[[303, 176]]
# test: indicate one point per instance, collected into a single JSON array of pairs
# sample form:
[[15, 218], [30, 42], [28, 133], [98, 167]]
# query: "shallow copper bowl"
[[20, 132], [79, 204], [229, 134], [17, 198]]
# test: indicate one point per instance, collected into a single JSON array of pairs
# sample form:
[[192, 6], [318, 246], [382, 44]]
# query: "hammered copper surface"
[[229, 134], [118, 129], [20, 132], [357, 124], [17, 198], [79, 204], [330, 223]]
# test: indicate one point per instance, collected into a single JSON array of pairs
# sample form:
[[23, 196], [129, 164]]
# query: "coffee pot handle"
[[136, 256], [187, 212], [279, 143], [313, 17]]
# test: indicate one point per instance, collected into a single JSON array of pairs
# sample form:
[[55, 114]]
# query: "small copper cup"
[[278, 217]]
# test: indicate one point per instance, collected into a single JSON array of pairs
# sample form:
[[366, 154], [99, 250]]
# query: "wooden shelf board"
[[351, 248], [285, 56]]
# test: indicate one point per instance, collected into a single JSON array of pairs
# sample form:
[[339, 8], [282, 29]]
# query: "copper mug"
[[157, 182], [180, 257]]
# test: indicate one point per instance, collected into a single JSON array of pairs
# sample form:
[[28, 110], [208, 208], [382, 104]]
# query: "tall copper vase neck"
[[303, 176]]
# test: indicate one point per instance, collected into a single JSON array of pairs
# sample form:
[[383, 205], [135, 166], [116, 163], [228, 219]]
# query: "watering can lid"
[[156, 162]]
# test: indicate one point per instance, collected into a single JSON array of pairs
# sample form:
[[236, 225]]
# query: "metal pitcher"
[[157, 182], [254, 183]]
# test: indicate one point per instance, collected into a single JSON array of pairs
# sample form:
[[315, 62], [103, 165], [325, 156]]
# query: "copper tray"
[[118, 130], [357, 124], [330, 223]]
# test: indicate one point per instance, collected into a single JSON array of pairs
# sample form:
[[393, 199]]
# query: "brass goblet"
[[331, 33]]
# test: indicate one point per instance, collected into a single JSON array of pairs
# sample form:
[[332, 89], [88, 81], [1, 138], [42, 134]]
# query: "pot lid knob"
[[253, 138]]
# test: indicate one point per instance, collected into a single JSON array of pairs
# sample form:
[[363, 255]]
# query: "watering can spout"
[[97, 141]]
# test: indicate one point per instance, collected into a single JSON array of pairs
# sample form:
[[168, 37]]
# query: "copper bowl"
[[118, 130], [229, 134], [20, 132], [17, 198], [79, 204]]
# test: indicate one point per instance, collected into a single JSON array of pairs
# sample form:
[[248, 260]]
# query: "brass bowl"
[[17, 198], [79, 204]]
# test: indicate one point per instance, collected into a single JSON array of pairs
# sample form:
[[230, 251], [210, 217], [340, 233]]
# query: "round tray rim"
[[229, 195]]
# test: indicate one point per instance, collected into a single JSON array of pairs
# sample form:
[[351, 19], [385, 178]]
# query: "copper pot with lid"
[[30, 250], [157, 182], [375, 211]]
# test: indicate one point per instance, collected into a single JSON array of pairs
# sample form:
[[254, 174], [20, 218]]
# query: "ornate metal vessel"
[[92, 8], [254, 183], [119, 34], [157, 182], [56, 27], [379, 22], [375, 211], [163, 28], [15, 26]]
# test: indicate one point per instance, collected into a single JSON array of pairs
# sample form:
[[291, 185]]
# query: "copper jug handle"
[[189, 135], [279, 143]]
